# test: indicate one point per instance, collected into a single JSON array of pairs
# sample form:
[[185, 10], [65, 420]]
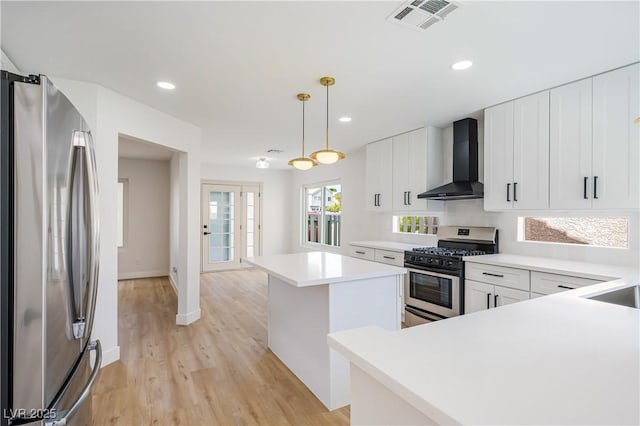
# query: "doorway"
[[231, 224]]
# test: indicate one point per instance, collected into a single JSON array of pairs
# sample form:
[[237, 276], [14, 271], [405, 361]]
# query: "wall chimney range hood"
[[465, 183]]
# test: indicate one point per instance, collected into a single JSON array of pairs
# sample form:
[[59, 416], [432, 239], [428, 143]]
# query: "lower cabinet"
[[482, 296]]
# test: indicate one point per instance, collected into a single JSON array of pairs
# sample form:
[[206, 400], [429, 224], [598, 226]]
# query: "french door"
[[230, 225]]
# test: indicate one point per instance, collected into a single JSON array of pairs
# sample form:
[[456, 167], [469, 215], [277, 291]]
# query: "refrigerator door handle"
[[83, 233], [86, 391]]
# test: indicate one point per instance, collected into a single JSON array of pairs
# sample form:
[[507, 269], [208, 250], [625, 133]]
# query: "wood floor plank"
[[217, 371]]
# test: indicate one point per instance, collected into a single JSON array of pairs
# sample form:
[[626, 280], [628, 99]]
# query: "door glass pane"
[[221, 221]]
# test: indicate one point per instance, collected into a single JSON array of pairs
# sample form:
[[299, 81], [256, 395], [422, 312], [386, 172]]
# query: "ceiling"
[[138, 149], [239, 65]]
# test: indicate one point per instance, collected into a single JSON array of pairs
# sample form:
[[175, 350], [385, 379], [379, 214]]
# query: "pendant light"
[[303, 163], [326, 155]]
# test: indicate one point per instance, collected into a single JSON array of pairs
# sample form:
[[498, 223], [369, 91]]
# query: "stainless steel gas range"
[[434, 284]]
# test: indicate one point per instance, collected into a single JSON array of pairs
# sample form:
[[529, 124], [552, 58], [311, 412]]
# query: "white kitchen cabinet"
[[570, 146], [616, 139], [498, 157], [545, 283], [379, 175], [531, 152], [500, 275], [594, 142], [479, 296], [517, 154], [365, 253], [389, 257], [417, 167]]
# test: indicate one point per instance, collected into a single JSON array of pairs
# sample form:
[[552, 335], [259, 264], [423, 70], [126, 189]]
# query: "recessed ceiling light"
[[344, 119], [166, 85], [462, 65]]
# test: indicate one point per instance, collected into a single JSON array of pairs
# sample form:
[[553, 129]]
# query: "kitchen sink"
[[628, 296]]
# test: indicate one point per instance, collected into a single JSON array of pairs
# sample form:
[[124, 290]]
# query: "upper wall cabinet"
[[400, 168], [417, 166], [379, 175], [570, 143], [594, 142], [517, 154], [616, 139]]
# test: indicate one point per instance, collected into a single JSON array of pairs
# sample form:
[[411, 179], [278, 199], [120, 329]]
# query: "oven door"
[[432, 292]]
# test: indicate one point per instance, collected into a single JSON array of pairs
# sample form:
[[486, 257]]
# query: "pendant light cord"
[[303, 128], [327, 132]]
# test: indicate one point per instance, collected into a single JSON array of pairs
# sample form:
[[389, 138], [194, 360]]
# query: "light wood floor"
[[215, 371]]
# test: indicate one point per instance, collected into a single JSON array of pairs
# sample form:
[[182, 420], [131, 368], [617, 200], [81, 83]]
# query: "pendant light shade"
[[303, 163], [326, 155]]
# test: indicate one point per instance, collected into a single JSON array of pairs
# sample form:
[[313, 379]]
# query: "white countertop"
[[388, 245], [556, 266], [318, 268], [560, 359]]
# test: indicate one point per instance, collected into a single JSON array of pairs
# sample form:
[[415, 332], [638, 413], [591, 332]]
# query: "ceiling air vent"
[[421, 14]]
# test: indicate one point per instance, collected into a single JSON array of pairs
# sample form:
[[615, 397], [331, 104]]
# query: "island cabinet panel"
[[616, 138], [379, 175], [372, 403]]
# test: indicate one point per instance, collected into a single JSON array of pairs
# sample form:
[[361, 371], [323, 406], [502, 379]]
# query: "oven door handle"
[[422, 314]]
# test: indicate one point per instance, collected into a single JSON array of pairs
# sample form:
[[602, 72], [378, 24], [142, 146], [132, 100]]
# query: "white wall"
[[110, 114], [276, 199], [357, 223], [146, 245], [6, 63]]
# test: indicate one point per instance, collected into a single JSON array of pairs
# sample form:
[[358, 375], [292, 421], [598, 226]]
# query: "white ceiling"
[[135, 148], [238, 65]]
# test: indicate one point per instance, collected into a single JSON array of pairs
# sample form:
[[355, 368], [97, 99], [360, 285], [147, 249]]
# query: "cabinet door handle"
[[585, 188], [508, 192], [493, 275], [409, 197], [495, 301], [595, 187], [488, 300], [360, 252], [515, 191], [378, 200], [405, 198], [389, 257], [566, 287]]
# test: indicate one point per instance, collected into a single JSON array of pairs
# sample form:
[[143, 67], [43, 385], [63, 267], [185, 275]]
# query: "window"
[[415, 224], [122, 191], [322, 209], [591, 231]]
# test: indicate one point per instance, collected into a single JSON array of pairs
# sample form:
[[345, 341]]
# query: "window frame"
[[303, 228], [521, 230]]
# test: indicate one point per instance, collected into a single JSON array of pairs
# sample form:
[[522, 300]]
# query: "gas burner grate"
[[443, 251]]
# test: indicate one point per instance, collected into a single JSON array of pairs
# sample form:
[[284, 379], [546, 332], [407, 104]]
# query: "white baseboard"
[[173, 284], [142, 274], [186, 319], [110, 356]]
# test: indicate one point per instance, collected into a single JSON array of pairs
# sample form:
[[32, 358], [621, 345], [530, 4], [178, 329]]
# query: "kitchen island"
[[313, 294], [559, 359]]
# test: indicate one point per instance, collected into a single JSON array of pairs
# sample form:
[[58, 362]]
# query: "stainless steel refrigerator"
[[49, 255]]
